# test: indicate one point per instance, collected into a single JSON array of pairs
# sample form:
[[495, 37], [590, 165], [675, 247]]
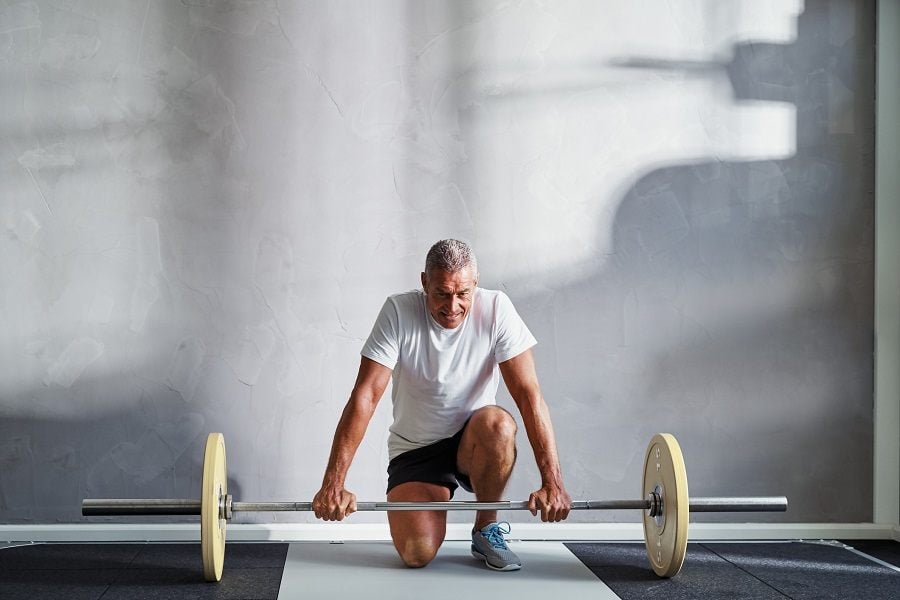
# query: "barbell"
[[665, 504]]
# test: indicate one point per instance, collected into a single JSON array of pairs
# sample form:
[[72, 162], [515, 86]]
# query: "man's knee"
[[416, 553], [496, 422]]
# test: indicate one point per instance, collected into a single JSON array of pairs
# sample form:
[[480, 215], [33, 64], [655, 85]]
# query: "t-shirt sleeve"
[[383, 345], [513, 336]]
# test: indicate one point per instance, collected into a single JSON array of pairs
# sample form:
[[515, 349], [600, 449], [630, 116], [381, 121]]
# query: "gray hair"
[[451, 256]]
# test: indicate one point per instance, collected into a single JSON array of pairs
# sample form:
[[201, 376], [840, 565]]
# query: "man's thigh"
[[426, 527]]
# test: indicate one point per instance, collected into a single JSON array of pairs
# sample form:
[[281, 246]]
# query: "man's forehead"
[[458, 288], [462, 279]]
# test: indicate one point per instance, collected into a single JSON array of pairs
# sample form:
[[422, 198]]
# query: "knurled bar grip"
[[445, 506], [174, 506]]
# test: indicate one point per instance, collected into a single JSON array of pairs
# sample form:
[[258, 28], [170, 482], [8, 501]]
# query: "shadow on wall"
[[50, 463], [736, 309]]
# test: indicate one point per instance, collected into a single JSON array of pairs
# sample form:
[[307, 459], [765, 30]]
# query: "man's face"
[[448, 296]]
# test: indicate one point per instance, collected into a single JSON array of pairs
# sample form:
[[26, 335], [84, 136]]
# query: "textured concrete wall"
[[203, 205]]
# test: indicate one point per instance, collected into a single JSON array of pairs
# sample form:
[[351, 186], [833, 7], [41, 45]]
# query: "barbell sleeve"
[[739, 504], [91, 507]]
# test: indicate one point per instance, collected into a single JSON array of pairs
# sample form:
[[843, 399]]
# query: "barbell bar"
[[666, 506], [91, 507]]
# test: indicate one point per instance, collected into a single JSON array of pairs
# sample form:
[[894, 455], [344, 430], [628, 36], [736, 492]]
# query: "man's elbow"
[[363, 401]]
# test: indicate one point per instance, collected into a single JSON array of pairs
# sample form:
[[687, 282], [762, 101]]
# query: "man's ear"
[[424, 282]]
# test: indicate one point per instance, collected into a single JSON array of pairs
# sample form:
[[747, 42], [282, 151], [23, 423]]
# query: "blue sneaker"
[[488, 545]]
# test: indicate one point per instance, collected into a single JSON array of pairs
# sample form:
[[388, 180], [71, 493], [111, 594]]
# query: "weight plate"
[[212, 525], [666, 534]]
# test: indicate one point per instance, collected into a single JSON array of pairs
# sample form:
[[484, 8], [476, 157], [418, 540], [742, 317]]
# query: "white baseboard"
[[303, 532]]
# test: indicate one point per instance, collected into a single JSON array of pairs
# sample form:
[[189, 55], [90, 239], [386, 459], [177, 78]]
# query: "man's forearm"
[[536, 417], [521, 380], [349, 434]]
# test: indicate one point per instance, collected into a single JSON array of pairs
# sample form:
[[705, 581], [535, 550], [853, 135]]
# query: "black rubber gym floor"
[[797, 570], [120, 571], [745, 571]]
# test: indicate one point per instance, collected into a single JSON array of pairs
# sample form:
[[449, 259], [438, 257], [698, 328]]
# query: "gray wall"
[[204, 204]]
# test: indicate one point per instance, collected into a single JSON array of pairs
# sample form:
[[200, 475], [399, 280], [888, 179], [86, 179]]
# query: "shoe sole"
[[510, 567]]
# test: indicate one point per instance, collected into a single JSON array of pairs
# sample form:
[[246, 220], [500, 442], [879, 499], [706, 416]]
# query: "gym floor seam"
[[766, 583]]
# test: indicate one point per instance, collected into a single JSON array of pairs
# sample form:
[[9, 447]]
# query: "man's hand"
[[553, 501], [333, 503]]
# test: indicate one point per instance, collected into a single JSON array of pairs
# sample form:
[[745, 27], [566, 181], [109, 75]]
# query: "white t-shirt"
[[443, 375]]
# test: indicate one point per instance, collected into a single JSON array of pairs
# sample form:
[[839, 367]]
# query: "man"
[[444, 346]]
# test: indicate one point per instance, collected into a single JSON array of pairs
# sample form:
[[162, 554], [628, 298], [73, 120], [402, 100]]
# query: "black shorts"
[[435, 463]]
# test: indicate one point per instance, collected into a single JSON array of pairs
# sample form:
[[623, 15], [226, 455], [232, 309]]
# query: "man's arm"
[[333, 502], [521, 379]]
